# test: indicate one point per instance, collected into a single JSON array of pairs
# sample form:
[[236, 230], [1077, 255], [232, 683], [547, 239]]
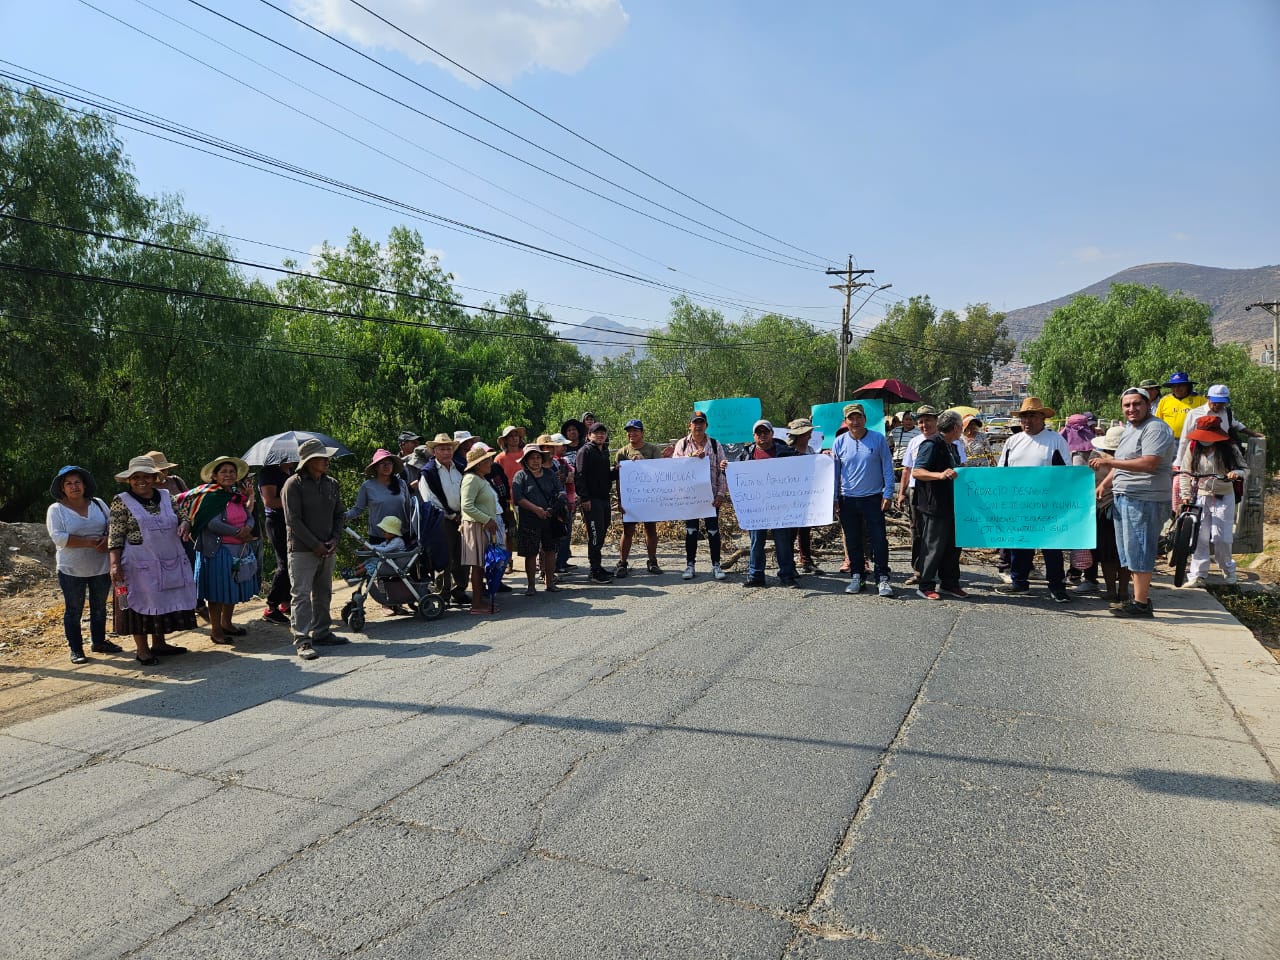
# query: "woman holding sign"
[[698, 444]]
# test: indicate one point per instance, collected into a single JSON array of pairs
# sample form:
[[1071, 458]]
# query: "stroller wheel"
[[429, 607], [346, 610], [356, 620]]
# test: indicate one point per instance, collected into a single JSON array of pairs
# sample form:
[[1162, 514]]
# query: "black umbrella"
[[283, 447]]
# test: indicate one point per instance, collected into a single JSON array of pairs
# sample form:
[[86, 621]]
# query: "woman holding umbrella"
[[384, 494], [479, 522], [222, 522]]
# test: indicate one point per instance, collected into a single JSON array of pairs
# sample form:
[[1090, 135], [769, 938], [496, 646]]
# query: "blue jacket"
[[864, 467]]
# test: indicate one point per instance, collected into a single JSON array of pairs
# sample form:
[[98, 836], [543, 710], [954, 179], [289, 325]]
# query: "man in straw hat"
[[1141, 474], [864, 490], [1035, 446], [313, 518], [441, 486]]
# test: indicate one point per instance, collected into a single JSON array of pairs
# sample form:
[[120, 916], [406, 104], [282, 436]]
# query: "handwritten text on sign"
[[786, 492], [666, 489], [1026, 507]]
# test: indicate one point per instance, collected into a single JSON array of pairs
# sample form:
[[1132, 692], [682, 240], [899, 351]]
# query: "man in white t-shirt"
[[1035, 447]]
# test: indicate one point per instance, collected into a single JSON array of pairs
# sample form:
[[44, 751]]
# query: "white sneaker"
[[1007, 577], [1085, 586], [1194, 582], [688, 573], [855, 584], [884, 589], [1231, 578], [717, 572]]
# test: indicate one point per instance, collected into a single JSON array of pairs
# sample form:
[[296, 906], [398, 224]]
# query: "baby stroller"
[[404, 578]]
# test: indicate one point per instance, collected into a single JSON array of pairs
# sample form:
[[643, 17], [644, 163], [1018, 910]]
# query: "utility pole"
[[852, 282], [1272, 307]]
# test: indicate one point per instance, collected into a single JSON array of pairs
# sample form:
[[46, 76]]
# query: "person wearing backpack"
[[699, 444]]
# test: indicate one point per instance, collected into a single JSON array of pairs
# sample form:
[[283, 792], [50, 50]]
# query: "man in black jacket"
[[766, 447], [595, 476]]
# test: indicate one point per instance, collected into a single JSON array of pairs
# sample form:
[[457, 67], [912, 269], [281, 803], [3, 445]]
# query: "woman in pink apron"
[[155, 590]]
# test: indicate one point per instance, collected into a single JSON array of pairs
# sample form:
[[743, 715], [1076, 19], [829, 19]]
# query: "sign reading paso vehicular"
[[782, 492], [1026, 507], [665, 489]]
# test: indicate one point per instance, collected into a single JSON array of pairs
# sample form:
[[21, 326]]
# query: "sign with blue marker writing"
[[829, 417], [1026, 507], [730, 420], [782, 492]]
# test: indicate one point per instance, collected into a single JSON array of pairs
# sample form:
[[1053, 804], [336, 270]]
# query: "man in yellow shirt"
[[1178, 402]]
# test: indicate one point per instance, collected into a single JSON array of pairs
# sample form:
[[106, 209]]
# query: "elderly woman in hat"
[[1211, 462], [977, 445], [479, 522], [155, 588], [1105, 554], [223, 525], [384, 494], [77, 522], [543, 511]]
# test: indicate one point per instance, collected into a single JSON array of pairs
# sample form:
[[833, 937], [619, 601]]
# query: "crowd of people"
[[169, 553]]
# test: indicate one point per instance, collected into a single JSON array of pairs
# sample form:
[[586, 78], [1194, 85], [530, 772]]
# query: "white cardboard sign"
[[782, 492], [676, 488]]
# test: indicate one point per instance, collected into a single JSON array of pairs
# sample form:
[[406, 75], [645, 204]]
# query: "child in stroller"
[[400, 571]]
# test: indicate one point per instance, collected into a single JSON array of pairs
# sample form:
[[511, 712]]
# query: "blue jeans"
[[865, 514], [782, 550], [1138, 524], [73, 593]]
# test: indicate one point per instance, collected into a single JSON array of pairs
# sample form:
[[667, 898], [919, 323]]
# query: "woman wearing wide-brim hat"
[[1211, 454], [223, 524], [144, 543], [540, 498], [479, 521], [384, 494], [77, 524]]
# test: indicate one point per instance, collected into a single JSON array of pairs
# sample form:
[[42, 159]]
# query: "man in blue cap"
[[1178, 402], [636, 449]]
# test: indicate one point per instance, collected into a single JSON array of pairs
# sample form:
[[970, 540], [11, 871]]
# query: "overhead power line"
[[767, 254], [573, 133]]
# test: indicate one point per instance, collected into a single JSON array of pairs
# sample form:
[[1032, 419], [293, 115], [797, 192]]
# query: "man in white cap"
[[1218, 404]]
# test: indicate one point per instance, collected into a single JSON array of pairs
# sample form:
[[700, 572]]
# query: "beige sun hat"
[[391, 525], [1033, 405], [138, 465], [162, 462], [441, 439], [312, 448], [476, 456], [1109, 442], [207, 471], [528, 449]]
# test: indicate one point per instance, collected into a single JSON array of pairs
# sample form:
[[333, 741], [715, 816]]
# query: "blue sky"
[[1007, 152]]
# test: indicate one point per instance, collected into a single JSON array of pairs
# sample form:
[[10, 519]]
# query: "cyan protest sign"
[[829, 417], [1026, 507], [730, 420]]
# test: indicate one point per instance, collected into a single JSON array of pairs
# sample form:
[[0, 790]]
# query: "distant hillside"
[[612, 331], [1228, 292]]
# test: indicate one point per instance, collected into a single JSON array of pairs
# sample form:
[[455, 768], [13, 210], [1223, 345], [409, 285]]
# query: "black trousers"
[[454, 579], [597, 528], [917, 547], [939, 555], [281, 589], [712, 525], [1020, 567]]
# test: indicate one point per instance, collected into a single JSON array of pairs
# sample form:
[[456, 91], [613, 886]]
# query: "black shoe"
[[1012, 588], [653, 567], [329, 640], [276, 616], [754, 582], [1133, 609], [504, 588], [600, 576], [792, 584], [1059, 595], [107, 647], [77, 656], [620, 570], [168, 650], [460, 600]]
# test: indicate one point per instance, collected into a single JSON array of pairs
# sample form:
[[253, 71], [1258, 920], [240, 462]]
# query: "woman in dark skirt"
[[541, 503], [222, 521], [1105, 554], [144, 542]]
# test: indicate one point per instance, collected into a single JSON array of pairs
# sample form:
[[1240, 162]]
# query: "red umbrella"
[[894, 390]]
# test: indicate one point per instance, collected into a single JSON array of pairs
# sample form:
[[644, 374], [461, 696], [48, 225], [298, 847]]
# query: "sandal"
[[530, 592], [167, 650], [553, 589], [236, 631], [148, 661], [222, 641]]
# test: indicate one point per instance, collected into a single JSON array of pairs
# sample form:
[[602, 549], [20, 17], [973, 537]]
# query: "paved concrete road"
[[664, 769]]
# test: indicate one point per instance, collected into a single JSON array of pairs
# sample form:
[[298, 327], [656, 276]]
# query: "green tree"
[[917, 344]]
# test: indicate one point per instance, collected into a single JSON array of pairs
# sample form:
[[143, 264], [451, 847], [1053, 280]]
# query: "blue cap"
[[1177, 378], [634, 425]]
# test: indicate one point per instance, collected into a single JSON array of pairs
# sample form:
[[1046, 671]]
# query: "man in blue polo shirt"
[[864, 490]]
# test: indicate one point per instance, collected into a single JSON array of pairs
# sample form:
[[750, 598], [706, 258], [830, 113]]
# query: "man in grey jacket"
[[313, 517]]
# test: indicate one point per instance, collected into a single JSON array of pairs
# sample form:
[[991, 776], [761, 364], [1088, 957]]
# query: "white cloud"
[[498, 39], [1180, 236], [1088, 254]]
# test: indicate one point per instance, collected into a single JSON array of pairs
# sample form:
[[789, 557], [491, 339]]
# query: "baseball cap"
[[634, 425], [698, 415], [1219, 392], [926, 411], [762, 423], [598, 427]]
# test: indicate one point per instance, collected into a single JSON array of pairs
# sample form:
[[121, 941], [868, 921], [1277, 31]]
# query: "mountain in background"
[[610, 330], [1228, 292]]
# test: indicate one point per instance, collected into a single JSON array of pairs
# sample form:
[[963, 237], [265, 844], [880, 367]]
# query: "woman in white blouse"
[[77, 522]]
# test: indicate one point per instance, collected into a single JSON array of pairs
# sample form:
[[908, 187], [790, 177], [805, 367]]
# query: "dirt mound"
[[26, 556]]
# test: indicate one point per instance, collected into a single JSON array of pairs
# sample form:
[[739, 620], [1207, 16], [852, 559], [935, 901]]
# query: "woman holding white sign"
[[698, 444]]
